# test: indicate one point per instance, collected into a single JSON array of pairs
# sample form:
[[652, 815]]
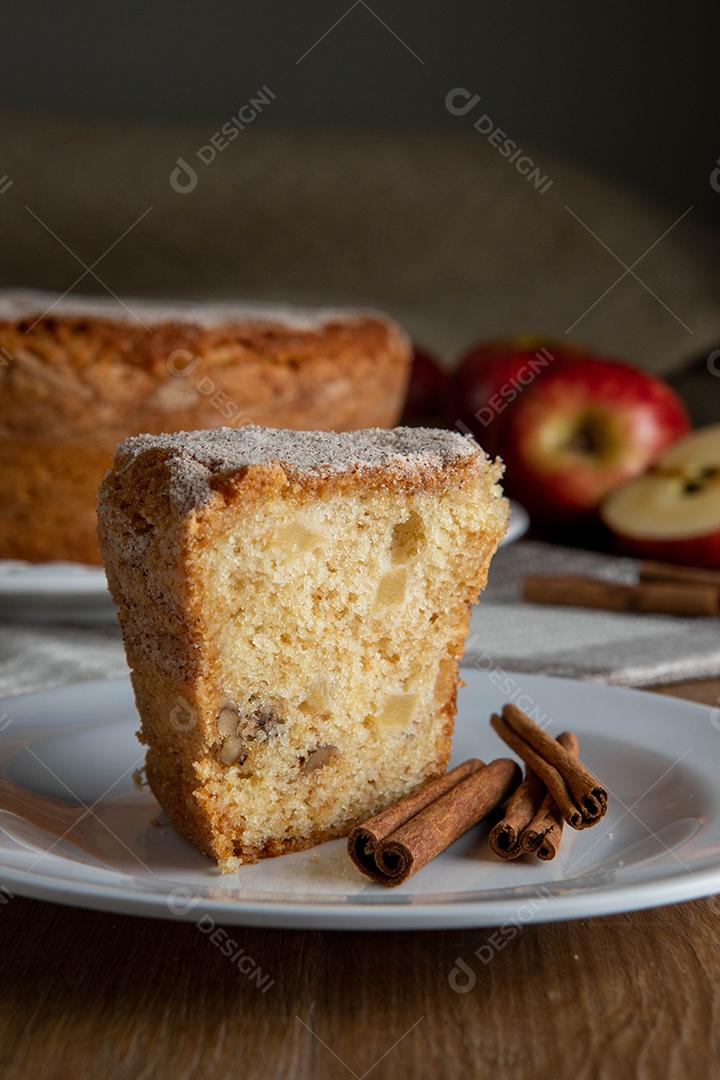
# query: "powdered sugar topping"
[[199, 457], [24, 303]]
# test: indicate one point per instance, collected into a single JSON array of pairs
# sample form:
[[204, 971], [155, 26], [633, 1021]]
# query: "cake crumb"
[[138, 778]]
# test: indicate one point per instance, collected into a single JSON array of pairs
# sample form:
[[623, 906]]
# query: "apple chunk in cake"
[[293, 607]]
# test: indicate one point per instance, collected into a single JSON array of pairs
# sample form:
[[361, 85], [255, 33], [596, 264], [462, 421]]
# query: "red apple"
[[583, 429], [672, 513], [427, 390], [490, 377]]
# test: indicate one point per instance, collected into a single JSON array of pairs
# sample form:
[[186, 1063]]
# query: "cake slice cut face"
[[293, 606]]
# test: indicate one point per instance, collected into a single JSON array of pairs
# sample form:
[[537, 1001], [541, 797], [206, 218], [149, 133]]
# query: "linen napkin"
[[624, 649]]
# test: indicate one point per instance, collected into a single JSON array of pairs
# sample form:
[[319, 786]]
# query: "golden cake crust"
[[74, 386]]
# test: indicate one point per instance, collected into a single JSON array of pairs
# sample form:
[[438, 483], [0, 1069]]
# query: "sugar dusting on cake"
[[25, 303], [197, 458]]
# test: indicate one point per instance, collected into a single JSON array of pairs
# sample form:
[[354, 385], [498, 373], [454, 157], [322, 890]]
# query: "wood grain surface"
[[88, 995]]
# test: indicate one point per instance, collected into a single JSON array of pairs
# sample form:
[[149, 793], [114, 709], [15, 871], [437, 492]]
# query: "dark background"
[[627, 89]]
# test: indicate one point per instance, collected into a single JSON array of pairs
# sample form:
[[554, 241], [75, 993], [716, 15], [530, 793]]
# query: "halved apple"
[[672, 513]]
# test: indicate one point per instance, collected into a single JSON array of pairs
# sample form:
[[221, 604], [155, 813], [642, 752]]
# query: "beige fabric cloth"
[[34, 656], [604, 646]]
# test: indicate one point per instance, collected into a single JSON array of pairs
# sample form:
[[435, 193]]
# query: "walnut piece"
[[237, 730], [318, 757], [233, 751], [227, 721]]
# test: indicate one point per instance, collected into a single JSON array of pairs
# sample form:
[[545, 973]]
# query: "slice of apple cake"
[[293, 606]]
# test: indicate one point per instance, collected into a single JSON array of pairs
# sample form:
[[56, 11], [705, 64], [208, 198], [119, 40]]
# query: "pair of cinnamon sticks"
[[534, 817], [400, 840], [557, 788], [662, 589]]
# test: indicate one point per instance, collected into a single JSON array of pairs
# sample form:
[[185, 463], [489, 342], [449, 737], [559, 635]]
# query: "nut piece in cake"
[[293, 607]]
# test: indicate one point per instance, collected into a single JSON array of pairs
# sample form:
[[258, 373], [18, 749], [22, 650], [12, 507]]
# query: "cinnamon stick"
[[695, 575], [544, 833], [424, 836], [521, 809], [364, 839], [580, 797], [658, 597], [405, 837]]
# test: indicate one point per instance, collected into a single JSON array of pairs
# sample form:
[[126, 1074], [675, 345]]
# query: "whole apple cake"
[[79, 375], [293, 607]]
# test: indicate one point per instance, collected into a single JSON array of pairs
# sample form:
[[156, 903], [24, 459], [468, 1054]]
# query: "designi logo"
[[715, 177], [183, 178]]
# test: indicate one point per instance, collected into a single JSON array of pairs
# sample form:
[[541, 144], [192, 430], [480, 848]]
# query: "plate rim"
[[90, 584], [518, 524], [326, 917]]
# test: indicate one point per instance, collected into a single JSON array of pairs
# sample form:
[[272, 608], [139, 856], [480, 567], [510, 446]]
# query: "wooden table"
[[90, 995]]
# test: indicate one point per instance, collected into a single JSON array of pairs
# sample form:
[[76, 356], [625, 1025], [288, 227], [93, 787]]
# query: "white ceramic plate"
[[54, 592], [61, 579], [72, 592], [518, 525], [75, 829]]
